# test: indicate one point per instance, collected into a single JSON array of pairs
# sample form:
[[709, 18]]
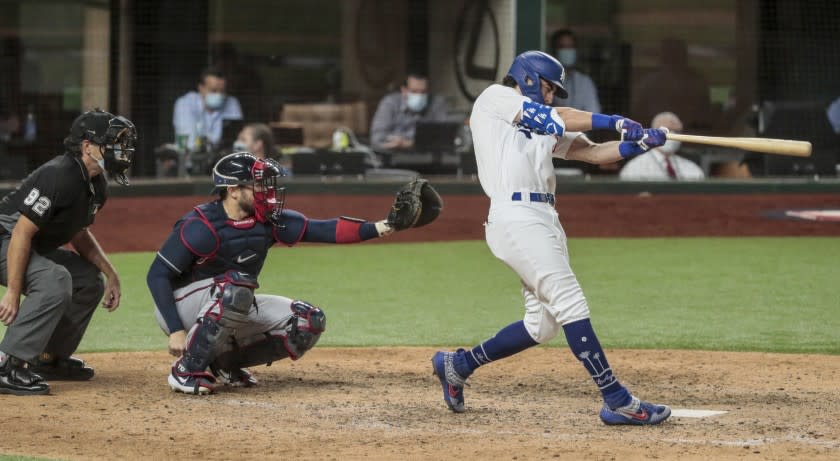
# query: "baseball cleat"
[[196, 383], [637, 413], [452, 382], [239, 377], [15, 379], [61, 369]]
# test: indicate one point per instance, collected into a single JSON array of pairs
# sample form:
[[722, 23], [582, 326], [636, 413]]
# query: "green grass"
[[759, 294]]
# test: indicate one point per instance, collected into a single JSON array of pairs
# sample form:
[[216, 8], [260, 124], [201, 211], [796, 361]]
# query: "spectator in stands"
[[662, 163], [675, 87], [582, 92], [397, 115], [198, 114], [243, 79], [257, 139], [834, 115]]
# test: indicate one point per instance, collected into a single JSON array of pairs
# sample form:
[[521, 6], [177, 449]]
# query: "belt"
[[534, 197]]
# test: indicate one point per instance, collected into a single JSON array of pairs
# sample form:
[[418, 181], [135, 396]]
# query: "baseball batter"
[[515, 134], [205, 274]]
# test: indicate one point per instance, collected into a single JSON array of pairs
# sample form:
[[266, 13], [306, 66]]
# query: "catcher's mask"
[[115, 134], [244, 169]]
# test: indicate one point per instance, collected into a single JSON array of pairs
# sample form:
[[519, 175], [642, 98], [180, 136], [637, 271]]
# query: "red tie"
[[669, 167]]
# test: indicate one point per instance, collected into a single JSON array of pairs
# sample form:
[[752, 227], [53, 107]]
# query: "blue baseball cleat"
[[637, 413], [452, 382]]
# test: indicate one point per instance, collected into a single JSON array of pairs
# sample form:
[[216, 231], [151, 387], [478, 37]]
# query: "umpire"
[[54, 206]]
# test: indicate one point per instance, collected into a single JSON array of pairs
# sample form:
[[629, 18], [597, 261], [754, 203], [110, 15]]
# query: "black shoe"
[[15, 379], [61, 369]]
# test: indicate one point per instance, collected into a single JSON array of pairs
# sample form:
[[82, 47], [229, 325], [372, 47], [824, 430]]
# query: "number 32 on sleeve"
[[39, 204]]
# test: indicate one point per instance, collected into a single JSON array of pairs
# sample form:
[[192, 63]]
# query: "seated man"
[[662, 163], [396, 116], [198, 114], [257, 139]]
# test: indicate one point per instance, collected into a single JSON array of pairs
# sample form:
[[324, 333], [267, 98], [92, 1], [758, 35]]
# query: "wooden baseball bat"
[[764, 145]]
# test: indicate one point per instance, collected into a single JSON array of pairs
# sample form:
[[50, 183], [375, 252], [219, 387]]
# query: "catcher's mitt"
[[416, 204]]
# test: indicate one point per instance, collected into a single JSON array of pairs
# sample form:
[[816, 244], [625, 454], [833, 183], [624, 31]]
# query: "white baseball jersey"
[[509, 158], [525, 235]]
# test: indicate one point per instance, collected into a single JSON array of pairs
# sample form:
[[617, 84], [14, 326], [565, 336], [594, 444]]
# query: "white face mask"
[[416, 102], [239, 146], [670, 146], [100, 162], [567, 56], [214, 101]]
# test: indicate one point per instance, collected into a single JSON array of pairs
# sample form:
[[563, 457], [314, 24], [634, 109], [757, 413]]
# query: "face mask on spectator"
[[214, 101], [670, 146], [567, 56], [416, 102], [239, 146]]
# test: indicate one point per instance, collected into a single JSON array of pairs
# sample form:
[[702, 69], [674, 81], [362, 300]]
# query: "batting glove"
[[630, 130], [653, 137]]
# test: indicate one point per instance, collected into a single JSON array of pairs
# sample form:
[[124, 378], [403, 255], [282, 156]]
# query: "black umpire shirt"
[[59, 198]]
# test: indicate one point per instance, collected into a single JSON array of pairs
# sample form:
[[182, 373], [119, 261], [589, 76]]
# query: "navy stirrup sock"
[[584, 344], [508, 341]]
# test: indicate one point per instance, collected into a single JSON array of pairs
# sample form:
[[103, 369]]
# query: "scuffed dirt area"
[[383, 403]]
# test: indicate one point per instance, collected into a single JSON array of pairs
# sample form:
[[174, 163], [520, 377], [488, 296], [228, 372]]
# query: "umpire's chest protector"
[[236, 245]]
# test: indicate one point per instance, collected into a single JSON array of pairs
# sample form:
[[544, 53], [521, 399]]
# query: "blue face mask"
[[567, 56], [416, 102], [239, 146], [214, 101]]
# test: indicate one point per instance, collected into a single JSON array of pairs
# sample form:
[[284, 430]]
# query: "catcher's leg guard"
[[300, 334], [235, 298]]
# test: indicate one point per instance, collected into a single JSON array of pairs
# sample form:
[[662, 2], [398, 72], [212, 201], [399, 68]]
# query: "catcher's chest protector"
[[242, 246]]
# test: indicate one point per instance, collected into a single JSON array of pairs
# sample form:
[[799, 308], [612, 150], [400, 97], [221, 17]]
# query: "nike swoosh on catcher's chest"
[[241, 260]]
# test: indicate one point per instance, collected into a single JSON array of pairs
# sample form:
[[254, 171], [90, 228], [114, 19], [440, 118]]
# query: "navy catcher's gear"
[[236, 295], [244, 169], [116, 134], [299, 334], [531, 66], [305, 328], [234, 292]]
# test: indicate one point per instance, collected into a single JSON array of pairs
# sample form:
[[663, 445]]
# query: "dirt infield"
[[384, 404], [347, 404]]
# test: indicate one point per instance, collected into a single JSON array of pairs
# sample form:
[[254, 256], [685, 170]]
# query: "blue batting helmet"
[[529, 67]]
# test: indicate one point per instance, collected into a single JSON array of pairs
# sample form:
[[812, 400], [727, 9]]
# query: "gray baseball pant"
[[62, 291]]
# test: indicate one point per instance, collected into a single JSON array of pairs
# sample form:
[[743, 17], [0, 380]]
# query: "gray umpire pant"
[[62, 290]]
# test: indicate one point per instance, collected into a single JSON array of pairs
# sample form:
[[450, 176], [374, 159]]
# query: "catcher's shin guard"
[[300, 334]]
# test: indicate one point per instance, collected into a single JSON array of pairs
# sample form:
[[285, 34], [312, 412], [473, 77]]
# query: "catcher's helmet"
[[531, 66], [115, 134], [244, 169]]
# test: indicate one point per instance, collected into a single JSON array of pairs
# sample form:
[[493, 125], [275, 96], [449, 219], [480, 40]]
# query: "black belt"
[[534, 197]]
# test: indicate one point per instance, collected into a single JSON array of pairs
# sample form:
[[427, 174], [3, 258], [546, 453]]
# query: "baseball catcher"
[[204, 280]]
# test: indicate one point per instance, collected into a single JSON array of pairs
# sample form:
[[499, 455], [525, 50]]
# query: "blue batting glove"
[[630, 130], [653, 137]]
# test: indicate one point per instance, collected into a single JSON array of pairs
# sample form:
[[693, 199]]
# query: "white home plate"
[[688, 413]]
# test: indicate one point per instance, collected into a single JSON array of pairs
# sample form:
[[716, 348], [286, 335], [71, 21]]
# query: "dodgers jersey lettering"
[[500, 146]]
